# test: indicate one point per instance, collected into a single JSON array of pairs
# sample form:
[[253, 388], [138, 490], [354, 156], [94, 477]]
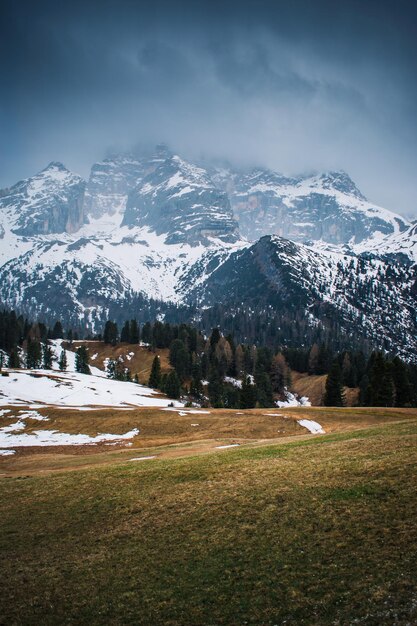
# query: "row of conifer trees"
[[217, 370]]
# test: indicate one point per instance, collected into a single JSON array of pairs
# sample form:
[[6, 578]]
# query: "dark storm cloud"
[[295, 85]]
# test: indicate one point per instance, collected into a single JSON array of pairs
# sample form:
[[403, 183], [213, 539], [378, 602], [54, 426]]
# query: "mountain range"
[[160, 235]]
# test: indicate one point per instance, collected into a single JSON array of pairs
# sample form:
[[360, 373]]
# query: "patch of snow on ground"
[[73, 389], [292, 400], [55, 438], [142, 458], [233, 381], [33, 415], [314, 427], [230, 445], [7, 452]]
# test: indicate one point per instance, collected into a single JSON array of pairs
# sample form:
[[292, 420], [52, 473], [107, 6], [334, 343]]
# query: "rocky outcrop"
[[181, 201], [327, 207], [49, 202], [109, 184]]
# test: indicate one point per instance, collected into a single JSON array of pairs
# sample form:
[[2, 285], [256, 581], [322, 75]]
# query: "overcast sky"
[[296, 85]]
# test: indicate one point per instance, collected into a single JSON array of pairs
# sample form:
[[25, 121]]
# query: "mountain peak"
[[55, 166], [341, 181], [179, 199]]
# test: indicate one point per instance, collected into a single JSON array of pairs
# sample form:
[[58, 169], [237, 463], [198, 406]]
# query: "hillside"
[[313, 388], [137, 358]]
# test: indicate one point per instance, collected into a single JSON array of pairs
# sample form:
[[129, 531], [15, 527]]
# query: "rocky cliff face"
[[109, 184], [180, 200], [49, 202], [327, 207]]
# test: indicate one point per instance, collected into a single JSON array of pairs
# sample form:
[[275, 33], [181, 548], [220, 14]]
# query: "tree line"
[[217, 370]]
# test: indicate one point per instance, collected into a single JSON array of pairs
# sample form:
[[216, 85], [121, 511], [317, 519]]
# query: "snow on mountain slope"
[[368, 297], [109, 184], [403, 244], [161, 228], [326, 207], [78, 276], [49, 202], [180, 200]]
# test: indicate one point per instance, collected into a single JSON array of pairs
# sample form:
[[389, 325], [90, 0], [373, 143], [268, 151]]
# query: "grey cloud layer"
[[294, 86]]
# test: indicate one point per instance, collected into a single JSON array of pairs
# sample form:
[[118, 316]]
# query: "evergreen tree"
[[214, 338], [215, 388], [147, 333], [111, 369], [57, 331], [401, 382], [387, 390], [231, 397], [82, 360], [364, 391], [134, 334], [248, 394], [33, 354], [334, 395], [377, 376], [46, 356], [63, 363], [125, 334], [14, 360], [110, 333], [264, 396], [155, 376], [173, 385], [179, 358], [196, 388]]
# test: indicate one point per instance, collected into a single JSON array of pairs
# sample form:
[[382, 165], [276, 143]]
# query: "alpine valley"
[[270, 258]]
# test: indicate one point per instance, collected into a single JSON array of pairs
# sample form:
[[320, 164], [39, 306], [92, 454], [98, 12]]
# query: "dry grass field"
[[289, 528], [174, 432]]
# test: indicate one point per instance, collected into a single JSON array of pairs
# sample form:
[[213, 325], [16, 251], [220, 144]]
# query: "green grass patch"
[[320, 531]]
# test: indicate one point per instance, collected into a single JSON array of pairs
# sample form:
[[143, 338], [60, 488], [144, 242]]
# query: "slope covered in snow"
[[49, 202], [326, 207], [403, 244], [72, 389], [180, 200]]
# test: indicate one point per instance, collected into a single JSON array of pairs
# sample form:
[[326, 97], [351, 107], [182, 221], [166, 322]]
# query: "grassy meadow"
[[319, 530]]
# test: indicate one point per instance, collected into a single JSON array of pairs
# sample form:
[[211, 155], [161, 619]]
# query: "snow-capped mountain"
[[180, 200], [49, 202], [401, 245], [109, 184], [371, 297], [327, 207], [156, 227]]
